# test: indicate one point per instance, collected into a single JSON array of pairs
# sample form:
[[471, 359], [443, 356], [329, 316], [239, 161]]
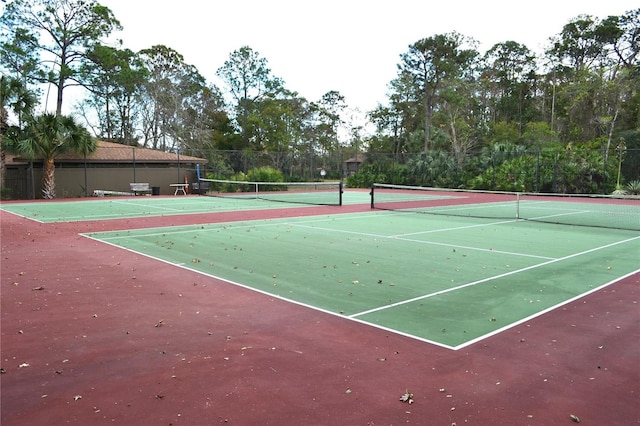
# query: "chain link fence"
[[565, 171]]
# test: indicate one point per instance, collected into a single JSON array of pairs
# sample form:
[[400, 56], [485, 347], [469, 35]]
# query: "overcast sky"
[[352, 46]]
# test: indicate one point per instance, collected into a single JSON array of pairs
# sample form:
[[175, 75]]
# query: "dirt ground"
[[95, 335]]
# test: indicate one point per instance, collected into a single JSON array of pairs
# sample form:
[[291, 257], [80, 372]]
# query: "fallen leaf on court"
[[159, 323], [38, 288], [574, 418], [77, 397], [407, 397], [24, 364]]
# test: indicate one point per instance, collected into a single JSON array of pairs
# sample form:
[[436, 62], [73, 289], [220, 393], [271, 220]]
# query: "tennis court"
[[244, 310], [450, 281], [132, 207]]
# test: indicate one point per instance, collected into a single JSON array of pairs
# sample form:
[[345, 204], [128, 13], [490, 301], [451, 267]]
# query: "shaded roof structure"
[[110, 152], [359, 158]]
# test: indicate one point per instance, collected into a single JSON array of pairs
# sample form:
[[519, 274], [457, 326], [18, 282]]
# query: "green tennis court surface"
[[121, 207], [450, 281]]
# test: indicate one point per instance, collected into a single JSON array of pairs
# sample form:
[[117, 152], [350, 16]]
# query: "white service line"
[[448, 290], [432, 243]]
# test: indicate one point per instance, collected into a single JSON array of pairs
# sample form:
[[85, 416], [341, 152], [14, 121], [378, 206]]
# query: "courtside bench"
[[139, 188], [104, 193]]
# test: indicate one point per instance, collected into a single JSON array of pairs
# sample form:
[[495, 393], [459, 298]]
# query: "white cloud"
[[352, 46]]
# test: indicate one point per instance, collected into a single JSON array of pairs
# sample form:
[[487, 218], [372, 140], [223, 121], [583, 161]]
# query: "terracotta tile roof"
[[115, 152], [110, 152], [360, 158]]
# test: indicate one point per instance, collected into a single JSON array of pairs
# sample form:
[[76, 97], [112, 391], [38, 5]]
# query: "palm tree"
[[15, 95], [48, 136]]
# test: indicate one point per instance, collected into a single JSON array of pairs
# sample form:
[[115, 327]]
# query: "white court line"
[[448, 290], [354, 317], [276, 222], [23, 216], [148, 206], [468, 207], [479, 225], [432, 243], [155, 211], [273, 295], [542, 312], [243, 224]]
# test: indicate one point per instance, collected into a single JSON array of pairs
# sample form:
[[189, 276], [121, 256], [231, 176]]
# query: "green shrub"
[[265, 174], [5, 194], [375, 173], [633, 187]]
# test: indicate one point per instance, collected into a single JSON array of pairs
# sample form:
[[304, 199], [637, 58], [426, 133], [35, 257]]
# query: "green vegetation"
[[565, 120]]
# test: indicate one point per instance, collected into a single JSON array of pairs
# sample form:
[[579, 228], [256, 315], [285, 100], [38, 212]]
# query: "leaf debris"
[[407, 397]]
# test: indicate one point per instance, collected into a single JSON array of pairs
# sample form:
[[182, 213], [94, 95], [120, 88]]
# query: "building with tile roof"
[[111, 167]]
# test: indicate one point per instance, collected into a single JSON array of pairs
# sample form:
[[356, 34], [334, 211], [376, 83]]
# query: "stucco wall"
[[70, 180]]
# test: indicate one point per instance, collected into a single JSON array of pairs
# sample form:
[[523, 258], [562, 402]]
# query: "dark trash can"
[[155, 190], [200, 188]]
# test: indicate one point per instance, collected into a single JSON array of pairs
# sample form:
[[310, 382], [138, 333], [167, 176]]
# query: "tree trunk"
[[3, 160], [427, 119], [48, 179], [3, 154], [610, 136]]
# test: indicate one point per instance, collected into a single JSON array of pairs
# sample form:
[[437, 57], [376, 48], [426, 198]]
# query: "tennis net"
[[619, 212], [313, 193]]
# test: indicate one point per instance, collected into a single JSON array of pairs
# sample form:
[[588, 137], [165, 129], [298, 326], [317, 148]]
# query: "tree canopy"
[[449, 106]]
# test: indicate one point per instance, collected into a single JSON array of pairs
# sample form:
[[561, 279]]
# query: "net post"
[[517, 206], [340, 191], [371, 194]]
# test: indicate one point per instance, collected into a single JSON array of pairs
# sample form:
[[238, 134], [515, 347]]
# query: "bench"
[[103, 193], [140, 188]]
